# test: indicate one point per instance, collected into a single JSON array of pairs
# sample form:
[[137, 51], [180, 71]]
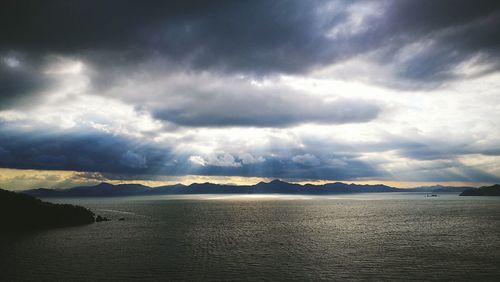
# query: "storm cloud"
[[114, 155], [89, 151], [258, 37], [20, 78]]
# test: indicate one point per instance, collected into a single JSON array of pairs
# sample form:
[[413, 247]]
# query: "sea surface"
[[372, 237]]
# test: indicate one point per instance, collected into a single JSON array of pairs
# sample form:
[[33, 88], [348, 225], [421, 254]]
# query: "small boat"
[[431, 195]]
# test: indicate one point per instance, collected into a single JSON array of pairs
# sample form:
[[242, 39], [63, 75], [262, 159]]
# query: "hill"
[[493, 190], [19, 212]]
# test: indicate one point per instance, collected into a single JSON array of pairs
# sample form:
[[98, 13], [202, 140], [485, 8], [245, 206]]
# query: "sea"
[[357, 237]]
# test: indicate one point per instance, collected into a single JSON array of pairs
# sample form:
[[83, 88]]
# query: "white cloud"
[[12, 62], [221, 159], [198, 160], [248, 158]]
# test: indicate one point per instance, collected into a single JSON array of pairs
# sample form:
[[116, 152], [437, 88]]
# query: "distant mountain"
[[438, 189], [483, 191], [273, 187], [101, 190], [20, 212]]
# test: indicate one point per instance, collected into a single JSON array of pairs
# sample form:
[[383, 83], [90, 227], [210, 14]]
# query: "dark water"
[[362, 237]]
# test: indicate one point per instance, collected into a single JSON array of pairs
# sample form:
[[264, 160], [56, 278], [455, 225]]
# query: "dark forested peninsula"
[[493, 190], [20, 212]]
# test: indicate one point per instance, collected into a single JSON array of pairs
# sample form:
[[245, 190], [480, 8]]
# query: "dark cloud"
[[73, 26], [287, 168], [263, 109], [257, 37], [426, 16], [80, 151], [455, 172], [439, 148], [444, 34], [250, 36], [422, 41], [20, 78], [113, 155]]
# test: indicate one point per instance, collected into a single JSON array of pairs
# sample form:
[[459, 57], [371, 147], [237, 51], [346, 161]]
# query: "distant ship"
[[431, 195]]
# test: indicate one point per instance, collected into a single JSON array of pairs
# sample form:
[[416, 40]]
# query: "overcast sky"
[[403, 92]]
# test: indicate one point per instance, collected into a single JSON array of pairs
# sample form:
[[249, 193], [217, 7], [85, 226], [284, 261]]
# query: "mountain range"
[[274, 187]]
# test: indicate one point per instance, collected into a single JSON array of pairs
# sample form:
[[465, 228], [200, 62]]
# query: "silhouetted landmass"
[[19, 212], [438, 189], [100, 190], [273, 187], [483, 191]]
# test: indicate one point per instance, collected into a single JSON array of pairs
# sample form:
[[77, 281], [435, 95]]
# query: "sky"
[[159, 92]]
